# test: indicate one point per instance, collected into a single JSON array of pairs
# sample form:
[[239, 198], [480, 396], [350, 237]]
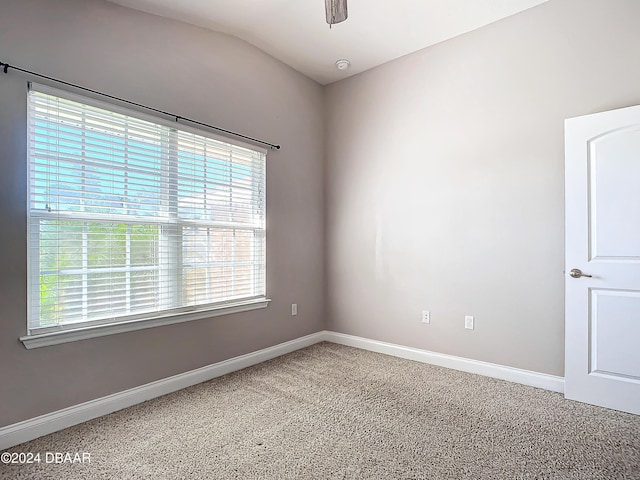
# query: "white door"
[[602, 220]]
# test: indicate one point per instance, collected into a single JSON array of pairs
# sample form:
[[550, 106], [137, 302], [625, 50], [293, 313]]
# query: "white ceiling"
[[376, 31]]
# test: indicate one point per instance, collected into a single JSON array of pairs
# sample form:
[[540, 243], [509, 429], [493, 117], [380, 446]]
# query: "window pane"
[[106, 245], [60, 299], [106, 295], [60, 256], [144, 245], [219, 264], [144, 290]]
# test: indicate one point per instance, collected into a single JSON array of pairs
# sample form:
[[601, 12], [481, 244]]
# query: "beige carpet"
[[334, 412]]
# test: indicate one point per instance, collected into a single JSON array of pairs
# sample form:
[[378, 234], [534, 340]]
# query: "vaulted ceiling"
[[377, 31]]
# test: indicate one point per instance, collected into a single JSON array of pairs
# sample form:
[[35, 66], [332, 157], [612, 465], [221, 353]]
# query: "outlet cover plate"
[[468, 322]]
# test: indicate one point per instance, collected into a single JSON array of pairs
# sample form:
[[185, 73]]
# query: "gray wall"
[[445, 173], [195, 73], [443, 184]]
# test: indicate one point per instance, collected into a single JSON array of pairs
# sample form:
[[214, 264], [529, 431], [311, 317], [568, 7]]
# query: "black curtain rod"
[[6, 67]]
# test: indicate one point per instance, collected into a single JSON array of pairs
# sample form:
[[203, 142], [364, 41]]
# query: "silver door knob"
[[577, 273]]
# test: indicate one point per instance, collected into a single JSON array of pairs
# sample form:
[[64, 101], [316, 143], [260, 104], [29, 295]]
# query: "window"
[[134, 218]]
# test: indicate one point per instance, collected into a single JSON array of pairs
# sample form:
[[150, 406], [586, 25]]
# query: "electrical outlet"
[[468, 322], [426, 316], [294, 309]]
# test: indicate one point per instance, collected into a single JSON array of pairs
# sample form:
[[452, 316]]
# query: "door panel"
[[613, 201], [602, 223], [614, 331]]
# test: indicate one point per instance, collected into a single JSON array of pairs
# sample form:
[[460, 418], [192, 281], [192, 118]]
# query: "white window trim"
[[93, 331], [36, 340]]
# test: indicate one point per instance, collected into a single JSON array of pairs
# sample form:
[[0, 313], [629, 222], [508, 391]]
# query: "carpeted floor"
[[335, 412]]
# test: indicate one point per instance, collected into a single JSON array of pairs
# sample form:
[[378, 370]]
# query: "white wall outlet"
[[468, 322], [294, 309], [426, 316]]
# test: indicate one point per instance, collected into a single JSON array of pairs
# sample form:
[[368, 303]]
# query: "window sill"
[[55, 338]]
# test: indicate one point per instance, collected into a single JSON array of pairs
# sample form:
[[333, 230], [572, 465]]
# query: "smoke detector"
[[342, 64]]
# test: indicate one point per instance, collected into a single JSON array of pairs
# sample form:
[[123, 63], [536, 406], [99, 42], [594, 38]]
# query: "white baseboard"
[[516, 375], [21, 432], [17, 433]]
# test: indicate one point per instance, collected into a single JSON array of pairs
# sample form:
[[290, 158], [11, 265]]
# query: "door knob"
[[577, 273]]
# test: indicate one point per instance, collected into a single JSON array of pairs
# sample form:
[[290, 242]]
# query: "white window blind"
[[133, 217]]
